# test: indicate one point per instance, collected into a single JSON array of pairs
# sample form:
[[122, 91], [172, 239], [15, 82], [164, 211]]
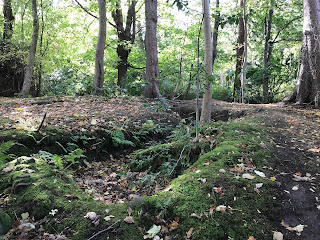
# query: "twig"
[[40, 126], [83, 8], [104, 230]]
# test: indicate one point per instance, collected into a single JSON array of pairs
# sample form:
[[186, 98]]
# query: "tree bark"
[[99, 57], [7, 20], [308, 83], [207, 97], [151, 90], [239, 54], [32, 51], [245, 53], [266, 57], [126, 36]]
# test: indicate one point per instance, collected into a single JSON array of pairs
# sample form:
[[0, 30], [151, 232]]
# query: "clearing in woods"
[[292, 139]]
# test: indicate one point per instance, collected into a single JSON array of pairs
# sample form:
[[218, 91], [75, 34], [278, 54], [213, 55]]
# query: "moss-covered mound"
[[211, 199]]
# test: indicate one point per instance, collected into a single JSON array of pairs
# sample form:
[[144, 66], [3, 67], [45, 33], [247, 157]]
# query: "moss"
[[5, 223], [247, 214]]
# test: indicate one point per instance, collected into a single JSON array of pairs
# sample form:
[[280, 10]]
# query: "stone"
[[136, 202], [5, 223]]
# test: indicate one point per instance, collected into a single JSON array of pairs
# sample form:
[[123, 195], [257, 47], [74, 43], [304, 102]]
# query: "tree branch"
[[284, 27], [83, 8]]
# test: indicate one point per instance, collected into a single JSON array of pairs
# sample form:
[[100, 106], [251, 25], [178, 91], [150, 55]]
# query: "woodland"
[[159, 119]]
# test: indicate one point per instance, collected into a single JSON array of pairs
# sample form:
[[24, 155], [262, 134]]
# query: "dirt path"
[[294, 132]]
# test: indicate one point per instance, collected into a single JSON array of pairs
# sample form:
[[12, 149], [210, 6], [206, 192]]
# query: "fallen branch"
[[40, 126], [104, 230]]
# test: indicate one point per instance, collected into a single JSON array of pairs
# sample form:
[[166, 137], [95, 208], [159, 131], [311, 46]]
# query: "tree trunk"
[[180, 67], [151, 90], [207, 97], [99, 57], [245, 53], [32, 51], [7, 20], [126, 36], [308, 82], [266, 57], [239, 54]]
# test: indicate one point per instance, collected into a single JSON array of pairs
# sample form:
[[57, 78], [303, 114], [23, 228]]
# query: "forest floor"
[[293, 132]]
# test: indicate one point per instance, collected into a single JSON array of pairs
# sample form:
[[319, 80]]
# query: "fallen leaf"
[[189, 233], [129, 210], [203, 180], [273, 179], [295, 188], [129, 219], [304, 179], [196, 216], [173, 226], [260, 174], [298, 228], [315, 150], [108, 218], [221, 208], [277, 236], [248, 176], [25, 216], [154, 229], [91, 215]]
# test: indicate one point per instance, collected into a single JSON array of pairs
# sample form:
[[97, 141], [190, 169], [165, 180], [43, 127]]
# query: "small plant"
[[62, 162]]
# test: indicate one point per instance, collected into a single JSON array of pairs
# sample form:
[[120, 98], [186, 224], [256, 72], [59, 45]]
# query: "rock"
[[25, 160], [136, 202], [19, 187], [5, 223]]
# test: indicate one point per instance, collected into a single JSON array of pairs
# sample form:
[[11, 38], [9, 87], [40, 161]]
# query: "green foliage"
[[61, 162], [118, 137], [67, 81]]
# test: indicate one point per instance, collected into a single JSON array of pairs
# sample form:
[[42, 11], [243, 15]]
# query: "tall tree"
[[32, 51], [99, 64], [126, 37], [7, 20], [308, 83], [151, 90], [240, 55], [207, 97], [267, 55]]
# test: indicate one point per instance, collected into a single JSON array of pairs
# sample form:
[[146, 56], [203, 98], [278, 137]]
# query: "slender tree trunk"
[[7, 20], [215, 32], [32, 51], [99, 57], [245, 54], [191, 76], [180, 67], [126, 36], [207, 97], [240, 51], [308, 82], [151, 90], [266, 57]]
